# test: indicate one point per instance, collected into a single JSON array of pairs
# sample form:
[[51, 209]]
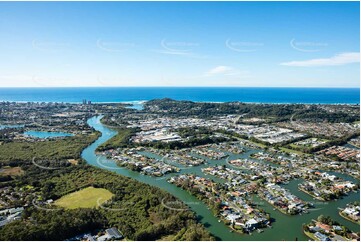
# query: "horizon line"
[[181, 87]]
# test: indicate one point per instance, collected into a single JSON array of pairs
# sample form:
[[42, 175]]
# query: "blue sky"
[[256, 44]]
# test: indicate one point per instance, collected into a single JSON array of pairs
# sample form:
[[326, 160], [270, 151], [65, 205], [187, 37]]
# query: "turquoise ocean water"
[[199, 94]]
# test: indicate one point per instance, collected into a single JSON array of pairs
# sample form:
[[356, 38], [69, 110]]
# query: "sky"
[[241, 44]]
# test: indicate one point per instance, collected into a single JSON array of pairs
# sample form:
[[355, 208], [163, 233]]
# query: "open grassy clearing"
[[89, 197], [292, 151], [11, 171]]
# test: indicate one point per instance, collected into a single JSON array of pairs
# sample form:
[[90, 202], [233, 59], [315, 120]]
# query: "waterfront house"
[[321, 236], [252, 224]]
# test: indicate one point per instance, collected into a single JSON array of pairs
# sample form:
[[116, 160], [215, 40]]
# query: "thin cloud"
[[184, 53], [181, 53], [337, 60], [179, 48], [222, 70]]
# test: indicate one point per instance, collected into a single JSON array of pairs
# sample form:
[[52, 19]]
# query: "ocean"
[[198, 94]]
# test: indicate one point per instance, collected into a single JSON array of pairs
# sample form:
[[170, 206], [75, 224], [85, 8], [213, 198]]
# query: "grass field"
[[89, 197], [11, 171], [73, 161], [292, 151]]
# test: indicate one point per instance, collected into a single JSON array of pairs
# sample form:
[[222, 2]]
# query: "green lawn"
[[89, 197], [292, 151], [11, 171]]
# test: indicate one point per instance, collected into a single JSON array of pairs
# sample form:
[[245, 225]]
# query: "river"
[[285, 227]]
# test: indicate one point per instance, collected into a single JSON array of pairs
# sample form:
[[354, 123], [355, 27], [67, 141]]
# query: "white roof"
[[252, 221]]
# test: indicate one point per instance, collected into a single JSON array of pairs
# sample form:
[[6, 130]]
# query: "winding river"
[[285, 227]]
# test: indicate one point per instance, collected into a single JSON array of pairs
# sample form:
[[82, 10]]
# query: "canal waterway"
[[284, 227]]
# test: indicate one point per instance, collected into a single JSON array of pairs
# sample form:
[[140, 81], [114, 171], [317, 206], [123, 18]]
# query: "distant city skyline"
[[242, 44]]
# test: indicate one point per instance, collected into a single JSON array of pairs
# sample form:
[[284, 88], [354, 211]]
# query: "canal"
[[285, 227]]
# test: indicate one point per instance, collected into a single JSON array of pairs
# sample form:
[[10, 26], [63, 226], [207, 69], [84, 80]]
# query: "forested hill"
[[279, 112], [136, 209]]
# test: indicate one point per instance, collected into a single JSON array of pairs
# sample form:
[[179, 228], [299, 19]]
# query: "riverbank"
[[349, 219], [310, 235]]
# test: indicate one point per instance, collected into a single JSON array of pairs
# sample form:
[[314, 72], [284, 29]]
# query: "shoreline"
[[347, 218], [144, 101], [310, 235], [317, 198], [218, 216], [277, 208]]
